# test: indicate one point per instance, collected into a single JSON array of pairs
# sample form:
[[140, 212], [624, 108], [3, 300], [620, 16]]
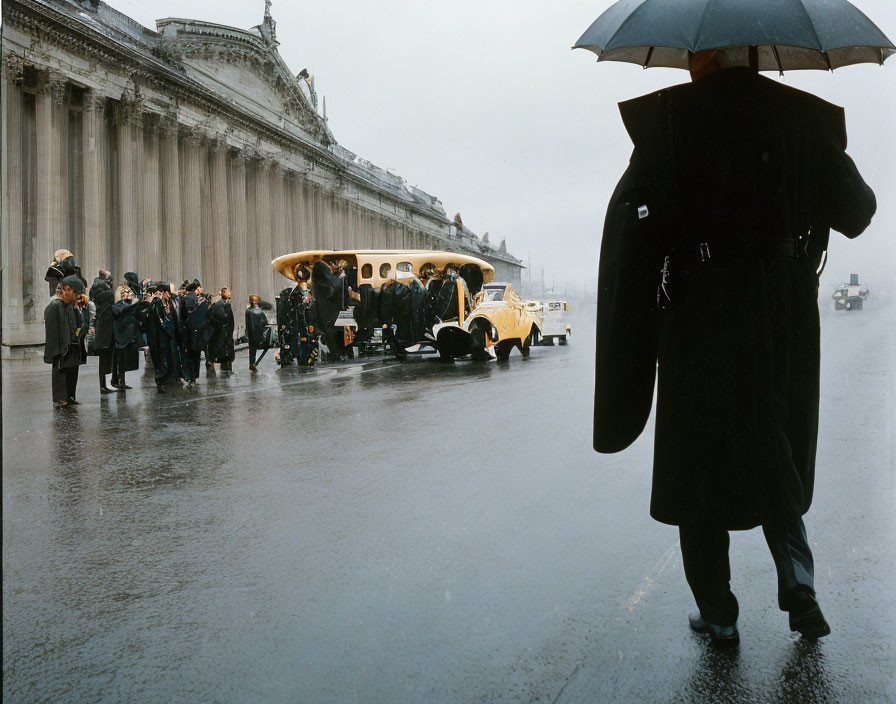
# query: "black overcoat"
[[61, 320], [103, 297], [725, 171], [256, 322], [220, 318], [126, 329]]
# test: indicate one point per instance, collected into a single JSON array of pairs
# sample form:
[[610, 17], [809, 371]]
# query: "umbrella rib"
[[778, 60], [650, 54]]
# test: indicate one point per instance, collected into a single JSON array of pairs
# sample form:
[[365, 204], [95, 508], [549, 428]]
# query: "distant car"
[[850, 296], [556, 322], [497, 324]]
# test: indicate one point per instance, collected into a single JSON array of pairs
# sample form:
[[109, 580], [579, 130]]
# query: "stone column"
[[299, 229], [278, 216], [171, 263], [128, 118], [289, 195], [94, 150], [207, 207], [150, 252], [12, 206], [252, 175], [221, 241], [264, 273], [52, 192], [239, 255], [191, 206]]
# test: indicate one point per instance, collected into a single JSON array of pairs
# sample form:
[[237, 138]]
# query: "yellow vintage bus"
[[377, 266]]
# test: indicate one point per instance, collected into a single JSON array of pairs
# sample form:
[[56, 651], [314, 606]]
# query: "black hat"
[[192, 286], [74, 283]]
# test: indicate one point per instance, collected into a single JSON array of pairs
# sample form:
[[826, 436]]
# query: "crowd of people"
[[177, 325], [404, 307]]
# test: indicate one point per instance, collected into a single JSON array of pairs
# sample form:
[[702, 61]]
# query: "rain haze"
[[484, 105]]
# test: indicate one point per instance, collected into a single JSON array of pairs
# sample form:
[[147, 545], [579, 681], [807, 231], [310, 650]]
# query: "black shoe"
[[806, 617], [124, 387], [72, 402], [106, 390], [161, 388], [720, 635]]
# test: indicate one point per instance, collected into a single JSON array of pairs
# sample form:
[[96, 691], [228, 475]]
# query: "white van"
[[556, 322]]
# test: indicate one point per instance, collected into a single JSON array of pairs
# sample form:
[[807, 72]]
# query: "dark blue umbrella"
[[787, 34]]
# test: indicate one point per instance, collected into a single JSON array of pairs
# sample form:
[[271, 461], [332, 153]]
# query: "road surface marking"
[[657, 570]]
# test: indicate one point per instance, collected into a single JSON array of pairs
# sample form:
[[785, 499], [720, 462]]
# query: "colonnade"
[[129, 189]]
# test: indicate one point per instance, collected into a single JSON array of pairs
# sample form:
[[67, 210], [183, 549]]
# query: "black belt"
[[749, 249]]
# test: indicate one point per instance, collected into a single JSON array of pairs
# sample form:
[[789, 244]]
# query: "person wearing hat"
[[64, 329], [103, 298], [707, 286], [195, 330], [63, 265]]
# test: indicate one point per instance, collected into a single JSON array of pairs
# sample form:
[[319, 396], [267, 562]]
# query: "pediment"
[[244, 68]]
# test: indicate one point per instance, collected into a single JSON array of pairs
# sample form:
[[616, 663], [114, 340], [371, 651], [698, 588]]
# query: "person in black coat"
[[64, 329], [195, 330], [160, 321], [62, 266], [733, 186], [327, 290], [220, 344], [103, 298], [396, 304], [126, 336], [256, 323]]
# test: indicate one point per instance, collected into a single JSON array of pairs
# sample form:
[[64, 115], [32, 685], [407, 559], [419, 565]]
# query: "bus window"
[[385, 268], [367, 271], [404, 266]]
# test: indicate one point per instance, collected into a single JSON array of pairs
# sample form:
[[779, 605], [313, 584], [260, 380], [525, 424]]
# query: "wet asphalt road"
[[385, 532]]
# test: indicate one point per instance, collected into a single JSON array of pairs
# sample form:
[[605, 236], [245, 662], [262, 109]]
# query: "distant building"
[[192, 150]]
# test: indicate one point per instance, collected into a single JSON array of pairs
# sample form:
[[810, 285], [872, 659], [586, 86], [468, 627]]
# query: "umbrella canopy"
[[788, 34]]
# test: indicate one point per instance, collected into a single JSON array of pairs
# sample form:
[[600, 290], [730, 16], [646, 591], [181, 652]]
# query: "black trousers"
[[704, 552], [192, 363], [64, 383], [253, 350]]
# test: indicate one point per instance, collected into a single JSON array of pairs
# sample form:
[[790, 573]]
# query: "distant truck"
[[556, 322], [850, 296]]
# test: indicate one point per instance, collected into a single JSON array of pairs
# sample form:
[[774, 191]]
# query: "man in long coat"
[[220, 344], [708, 278], [63, 347], [103, 298]]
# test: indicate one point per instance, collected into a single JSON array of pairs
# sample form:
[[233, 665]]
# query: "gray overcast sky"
[[482, 104]]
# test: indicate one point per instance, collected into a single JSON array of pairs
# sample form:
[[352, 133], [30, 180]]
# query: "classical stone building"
[[188, 151]]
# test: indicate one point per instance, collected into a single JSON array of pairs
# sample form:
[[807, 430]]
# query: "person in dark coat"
[[103, 298], [256, 323], [195, 330], [220, 344], [63, 265], [327, 291], [396, 305], [733, 186], [64, 329], [126, 336], [160, 321]]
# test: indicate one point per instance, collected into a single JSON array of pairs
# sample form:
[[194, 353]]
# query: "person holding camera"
[[161, 324]]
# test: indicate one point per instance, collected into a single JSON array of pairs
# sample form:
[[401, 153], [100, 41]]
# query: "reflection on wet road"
[[388, 532]]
